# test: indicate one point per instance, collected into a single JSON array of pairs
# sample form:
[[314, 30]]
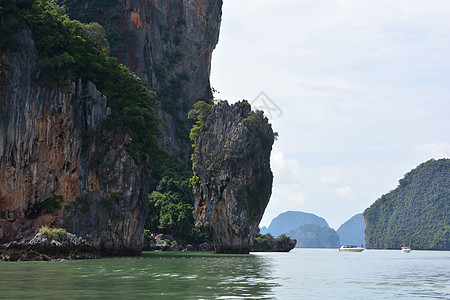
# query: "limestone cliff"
[[53, 171], [58, 164], [233, 179], [168, 44]]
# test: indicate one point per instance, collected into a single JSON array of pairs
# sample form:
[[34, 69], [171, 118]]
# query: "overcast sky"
[[360, 92]]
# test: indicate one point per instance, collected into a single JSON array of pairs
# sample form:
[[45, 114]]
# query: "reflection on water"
[[153, 276], [300, 274]]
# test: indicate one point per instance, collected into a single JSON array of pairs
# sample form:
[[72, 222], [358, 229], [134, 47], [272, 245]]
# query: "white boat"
[[406, 249], [351, 248]]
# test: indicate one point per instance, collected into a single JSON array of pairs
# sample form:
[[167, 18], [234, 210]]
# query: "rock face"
[[161, 40], [233, 177], [168, 44], [57, 168]]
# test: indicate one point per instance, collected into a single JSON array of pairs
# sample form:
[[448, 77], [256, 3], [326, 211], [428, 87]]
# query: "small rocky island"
[[267, 243]]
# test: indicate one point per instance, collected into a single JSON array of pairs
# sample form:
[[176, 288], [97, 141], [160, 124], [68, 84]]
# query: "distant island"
[[291, 220], [315, 236], [352, 231], [309, 230], [416, 213]]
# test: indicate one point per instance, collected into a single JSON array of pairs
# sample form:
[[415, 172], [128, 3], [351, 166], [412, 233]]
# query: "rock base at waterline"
[[274, 246], [166, 242], [43, 248]]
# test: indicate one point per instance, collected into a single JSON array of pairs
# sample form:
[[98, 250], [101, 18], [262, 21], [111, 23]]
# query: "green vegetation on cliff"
[[416, 213], [171, 208], [70, 50], [198, 114], [8, 26], [53, 233], [268, 238]]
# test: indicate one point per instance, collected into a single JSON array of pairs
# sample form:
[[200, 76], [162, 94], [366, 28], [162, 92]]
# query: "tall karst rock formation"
[[233, 179]]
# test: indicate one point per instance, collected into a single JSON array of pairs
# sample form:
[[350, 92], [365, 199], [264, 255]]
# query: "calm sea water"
[[299, 274]]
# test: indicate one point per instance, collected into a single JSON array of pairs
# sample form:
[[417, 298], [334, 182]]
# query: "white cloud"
[[288, 190], [333, 176], [289, 195], [284, 169], [344, 191]]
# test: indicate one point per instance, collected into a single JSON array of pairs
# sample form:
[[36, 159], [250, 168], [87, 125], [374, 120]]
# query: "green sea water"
[[299, 274]]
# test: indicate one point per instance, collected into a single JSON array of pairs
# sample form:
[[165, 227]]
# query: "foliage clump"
[[171, 203], [8, 26], [54, 203], [254, 123], [198, 114], [53, 233], [283, 238], [171, 207], [264, 239]]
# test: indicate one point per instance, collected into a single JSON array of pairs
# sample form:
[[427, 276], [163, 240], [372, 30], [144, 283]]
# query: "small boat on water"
[[351, 248], [406, 249]]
